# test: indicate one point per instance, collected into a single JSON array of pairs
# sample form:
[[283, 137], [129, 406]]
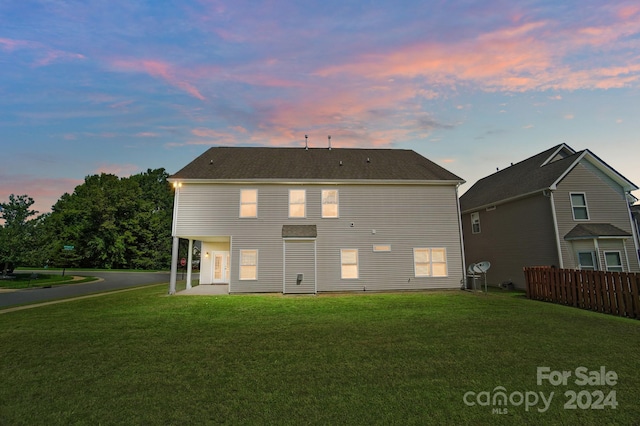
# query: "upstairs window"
[[613, 260], [248, 203], [297, 203], [430, 262], [579, 206], [475, 223], [329, 203]]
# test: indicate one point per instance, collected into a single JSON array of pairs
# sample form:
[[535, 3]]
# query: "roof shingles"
[[522, 178], [595, 230], [254, 163]]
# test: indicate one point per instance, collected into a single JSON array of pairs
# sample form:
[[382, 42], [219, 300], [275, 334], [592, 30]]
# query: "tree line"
[[107, 222]]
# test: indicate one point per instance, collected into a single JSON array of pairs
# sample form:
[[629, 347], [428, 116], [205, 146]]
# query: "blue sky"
[[121, 86]]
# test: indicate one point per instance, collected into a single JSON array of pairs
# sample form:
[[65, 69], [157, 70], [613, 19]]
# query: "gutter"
[[317, 181], [503, 201]]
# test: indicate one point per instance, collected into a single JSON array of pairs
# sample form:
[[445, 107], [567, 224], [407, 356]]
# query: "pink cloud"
[[54, 55], [523, 57], [48, 55], [10, 45], [163, 70], [45, 192]]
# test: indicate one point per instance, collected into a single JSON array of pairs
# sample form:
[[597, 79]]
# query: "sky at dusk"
[[121, 86]]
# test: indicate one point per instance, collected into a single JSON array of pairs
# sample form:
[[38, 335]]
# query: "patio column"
[[174, 266], [189, 260]]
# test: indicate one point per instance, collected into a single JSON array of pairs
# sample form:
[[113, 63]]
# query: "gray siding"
[[300, 258], [606, 203], [402, 216], [512, 236]]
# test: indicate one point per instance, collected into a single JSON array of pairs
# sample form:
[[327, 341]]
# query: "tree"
[[114, 222], [17, 231]]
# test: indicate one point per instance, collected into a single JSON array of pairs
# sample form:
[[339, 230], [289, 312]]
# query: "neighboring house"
[[558, 208], [297, 220]]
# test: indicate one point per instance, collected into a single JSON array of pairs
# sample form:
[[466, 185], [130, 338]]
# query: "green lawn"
[[141, 357], [32, 280]]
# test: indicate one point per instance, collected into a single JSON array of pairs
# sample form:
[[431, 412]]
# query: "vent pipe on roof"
[[306, 145], [329, 142]]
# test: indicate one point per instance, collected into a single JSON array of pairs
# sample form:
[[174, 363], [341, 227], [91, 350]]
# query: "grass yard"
[[141, 357], [33, 280]]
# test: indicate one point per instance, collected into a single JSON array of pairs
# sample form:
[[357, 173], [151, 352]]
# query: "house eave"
[[599, 237], [504, 201], [316, 181]]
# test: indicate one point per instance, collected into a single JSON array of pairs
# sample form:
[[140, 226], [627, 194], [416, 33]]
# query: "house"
[[558, 208], [309, 220]]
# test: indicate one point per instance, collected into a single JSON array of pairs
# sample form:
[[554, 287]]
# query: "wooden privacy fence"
[[616, 293]]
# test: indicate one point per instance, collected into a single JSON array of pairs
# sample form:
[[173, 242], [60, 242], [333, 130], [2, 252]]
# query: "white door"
[[220, 267]]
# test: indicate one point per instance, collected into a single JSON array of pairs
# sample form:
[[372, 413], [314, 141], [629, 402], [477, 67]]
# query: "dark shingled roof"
[[254, 163], [532, 175], [299, 231], [595, 230], [522, 178]]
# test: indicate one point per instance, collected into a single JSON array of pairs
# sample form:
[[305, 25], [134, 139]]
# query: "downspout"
[[635, 232], [464, 266], [555, 227]]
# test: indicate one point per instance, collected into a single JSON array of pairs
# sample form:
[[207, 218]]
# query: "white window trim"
[[246, 204], [240, 265], [343, 264], [304, 204], [431, 262], [586, 206], [322, 204], [381, 248], [606, 264], [473, 230]]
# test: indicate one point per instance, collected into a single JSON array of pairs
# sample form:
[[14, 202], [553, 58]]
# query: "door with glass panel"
[[220, 267]]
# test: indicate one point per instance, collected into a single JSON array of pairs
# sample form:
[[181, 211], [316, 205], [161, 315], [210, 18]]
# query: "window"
[[381, 248], [430, 262], [613, 261], [475, 223], [248, 264], [587, 260], [349, 264], [297, 202], [248, 203], [329, 203], [579, 206]]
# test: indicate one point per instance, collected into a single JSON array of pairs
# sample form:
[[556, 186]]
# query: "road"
[[110, 280]]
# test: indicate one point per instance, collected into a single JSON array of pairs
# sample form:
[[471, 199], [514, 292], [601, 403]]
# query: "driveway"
[[109, 281]]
